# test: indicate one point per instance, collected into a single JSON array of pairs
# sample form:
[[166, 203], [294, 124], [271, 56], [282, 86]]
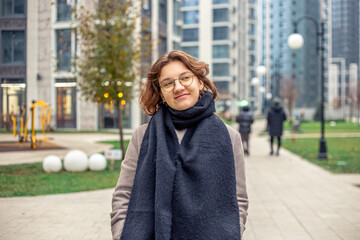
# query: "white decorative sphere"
[[295, 41], [260, 70], [97, 162], [51, 164], [75, 161]]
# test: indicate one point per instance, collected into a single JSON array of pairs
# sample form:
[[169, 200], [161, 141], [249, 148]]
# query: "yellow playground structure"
[[45, 116]]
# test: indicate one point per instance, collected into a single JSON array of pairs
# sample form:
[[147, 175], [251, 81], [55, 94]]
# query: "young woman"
[[183, 173]]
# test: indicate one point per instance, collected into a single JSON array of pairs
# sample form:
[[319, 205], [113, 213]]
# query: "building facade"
[[344, 58], [296, 71], [13, 59], [222, 33], [38, 47]]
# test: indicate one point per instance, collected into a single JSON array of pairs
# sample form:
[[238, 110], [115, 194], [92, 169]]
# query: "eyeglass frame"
[[173, 82]]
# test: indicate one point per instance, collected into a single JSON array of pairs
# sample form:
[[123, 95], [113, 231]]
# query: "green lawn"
[[343, 153], [315, 127], [31, 180]]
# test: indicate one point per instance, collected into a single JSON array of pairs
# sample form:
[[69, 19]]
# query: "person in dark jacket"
[[275, 118], [245, 120]]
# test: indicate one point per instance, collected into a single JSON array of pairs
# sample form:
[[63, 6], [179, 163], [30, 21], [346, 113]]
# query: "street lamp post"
[[261, 71], [295, 41]]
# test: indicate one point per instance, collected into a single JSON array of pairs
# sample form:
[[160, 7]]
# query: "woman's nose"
[[177, 85]]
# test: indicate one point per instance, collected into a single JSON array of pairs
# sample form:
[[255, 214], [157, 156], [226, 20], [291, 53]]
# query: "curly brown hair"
[[150, 97]]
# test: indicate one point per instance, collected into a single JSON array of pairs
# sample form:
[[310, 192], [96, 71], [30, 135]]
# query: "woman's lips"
[[181, 96]]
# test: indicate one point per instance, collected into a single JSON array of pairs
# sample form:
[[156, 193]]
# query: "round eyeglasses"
[[168, 84]]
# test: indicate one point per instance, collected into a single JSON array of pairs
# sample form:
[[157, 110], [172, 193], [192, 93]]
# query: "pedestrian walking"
[[183, 175], [275, 118], [245, 119]]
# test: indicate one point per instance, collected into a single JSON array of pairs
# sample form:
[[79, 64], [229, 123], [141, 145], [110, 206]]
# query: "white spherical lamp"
[[260, 70], [75, 161], [255, 81], [268, 96], [51, 164], [295, 41], [97, 162]]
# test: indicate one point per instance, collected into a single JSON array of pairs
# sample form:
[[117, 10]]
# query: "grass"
[[343, 153], [31, 180], [314, 127]]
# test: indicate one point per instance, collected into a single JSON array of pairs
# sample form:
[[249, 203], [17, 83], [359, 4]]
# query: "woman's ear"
[[162, 97], [202, 85]]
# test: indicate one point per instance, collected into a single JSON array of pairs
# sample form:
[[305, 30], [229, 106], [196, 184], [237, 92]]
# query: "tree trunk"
[[120, 122]]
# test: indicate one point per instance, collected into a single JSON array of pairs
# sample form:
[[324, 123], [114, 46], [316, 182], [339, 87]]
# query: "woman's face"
[[180, 97]]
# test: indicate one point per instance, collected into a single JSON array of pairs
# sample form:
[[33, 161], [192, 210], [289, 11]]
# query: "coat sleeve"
[[241, 191], [121, 195]]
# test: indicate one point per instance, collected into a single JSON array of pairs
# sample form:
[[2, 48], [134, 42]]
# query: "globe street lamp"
[[260, 71], [296, 41]]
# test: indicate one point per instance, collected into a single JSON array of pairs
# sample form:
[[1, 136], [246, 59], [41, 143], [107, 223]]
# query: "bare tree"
[[288, 90]]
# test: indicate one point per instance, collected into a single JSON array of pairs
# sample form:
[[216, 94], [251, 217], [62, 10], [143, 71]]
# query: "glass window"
[[222, 86], [220, 33], [13, 46], [193, 51], [221, 69], [162, 11], [220, 1], [65, 107], [221, 15], [221, 51], [252, 14], [190, 35], [191, 17], [252, 60], [252, 46], [63, 49], [189, 3], [252, 30], [64, 8], [12, 7]]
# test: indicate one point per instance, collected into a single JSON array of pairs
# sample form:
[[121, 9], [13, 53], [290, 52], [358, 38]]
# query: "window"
[[252, 46], [220, 51], [191, 17], [13, 46], [65, 105], [220, 1], [252, 14], [12, 7], [220, 33], [176, 46], [220, 15], [63, 10], [189, 3], [222, 86], [221, 69], [190, 35], [252, 30], [193, 51], [63, 49], [252, 60], [162, 11]]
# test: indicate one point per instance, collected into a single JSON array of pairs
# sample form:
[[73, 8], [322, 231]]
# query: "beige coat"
[[123, 188]]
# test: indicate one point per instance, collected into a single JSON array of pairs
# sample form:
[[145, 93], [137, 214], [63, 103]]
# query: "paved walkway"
[[289, 199]]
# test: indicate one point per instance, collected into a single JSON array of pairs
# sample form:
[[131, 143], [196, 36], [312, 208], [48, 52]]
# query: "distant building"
[[344, 61], [301, 67], [222, 33], [37, 49]]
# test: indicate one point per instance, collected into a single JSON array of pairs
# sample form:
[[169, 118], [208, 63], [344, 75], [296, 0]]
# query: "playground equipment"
[[45, 116]]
